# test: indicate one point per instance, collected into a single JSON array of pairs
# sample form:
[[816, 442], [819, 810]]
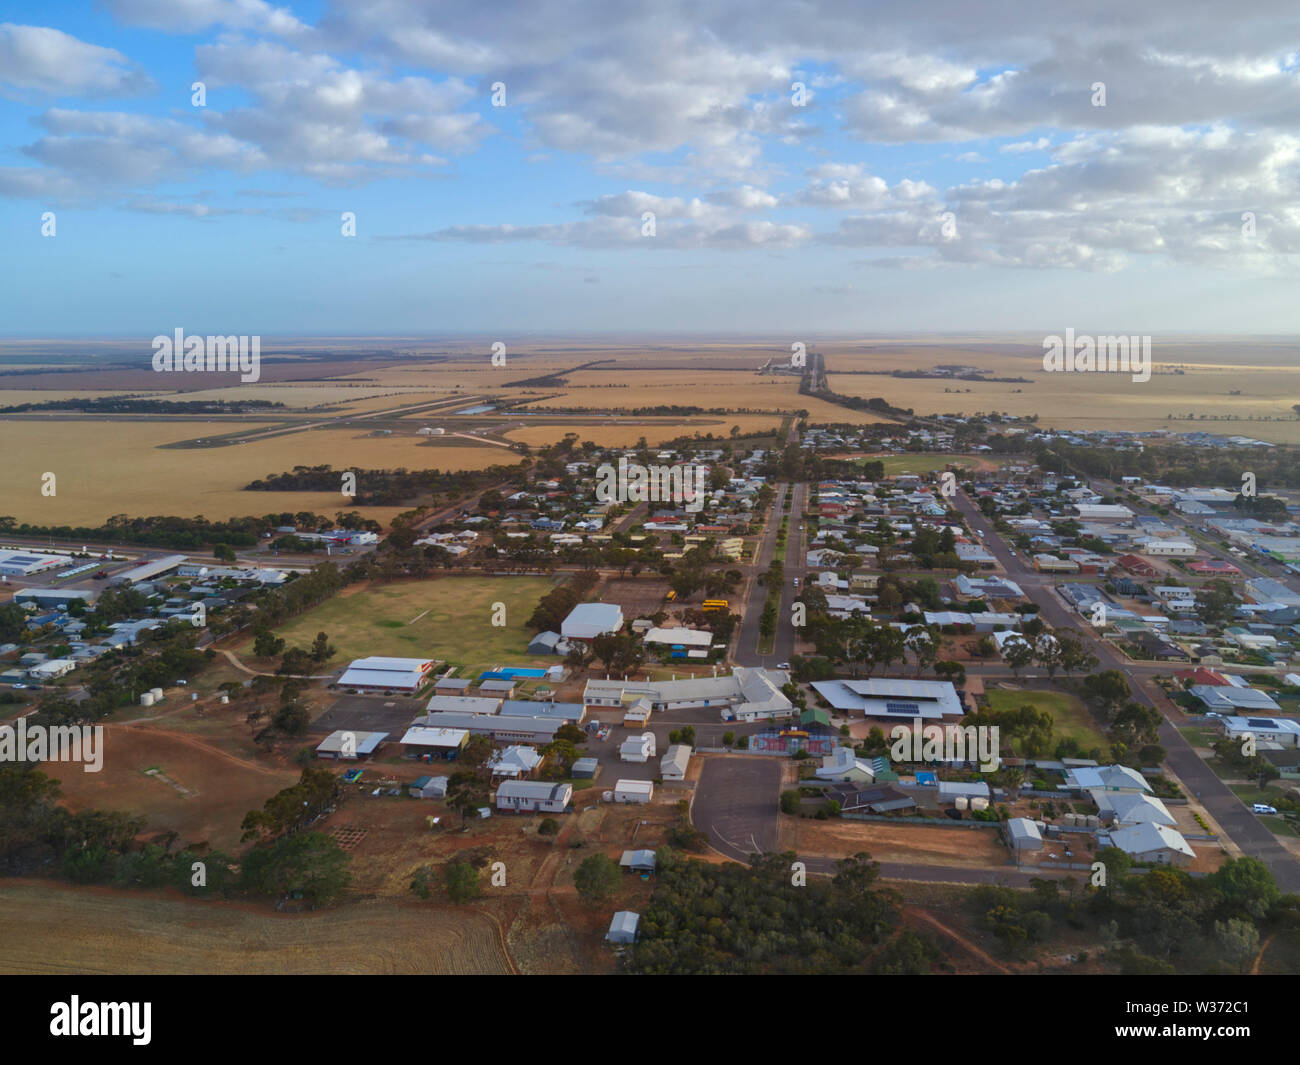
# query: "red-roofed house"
[[1137, 565], [1215, 567], [1202, 675]]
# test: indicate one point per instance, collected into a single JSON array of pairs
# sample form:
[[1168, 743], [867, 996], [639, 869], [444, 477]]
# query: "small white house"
[[673, 765], [638, 748], [640, 791], [534, 796]]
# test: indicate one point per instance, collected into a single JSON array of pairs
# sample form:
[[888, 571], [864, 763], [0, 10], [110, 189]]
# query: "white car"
[[783, 665], [1264, 808]]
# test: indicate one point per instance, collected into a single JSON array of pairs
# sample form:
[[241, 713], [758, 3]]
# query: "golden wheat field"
[[112, 467]]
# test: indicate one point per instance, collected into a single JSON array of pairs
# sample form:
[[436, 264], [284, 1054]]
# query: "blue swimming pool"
[[512, 674]]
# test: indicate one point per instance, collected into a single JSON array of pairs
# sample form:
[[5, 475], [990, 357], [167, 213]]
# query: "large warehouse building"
[[25, 563], [386, 674]]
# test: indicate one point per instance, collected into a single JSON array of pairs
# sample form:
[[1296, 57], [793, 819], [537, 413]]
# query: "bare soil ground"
[[47, 927], [219, 787], [914, 844]]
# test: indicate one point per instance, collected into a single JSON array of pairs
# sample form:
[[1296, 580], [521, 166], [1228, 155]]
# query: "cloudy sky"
[[714, 166]]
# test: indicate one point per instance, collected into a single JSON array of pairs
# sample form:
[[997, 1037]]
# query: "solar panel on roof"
[[1260, 722], [901, 708]]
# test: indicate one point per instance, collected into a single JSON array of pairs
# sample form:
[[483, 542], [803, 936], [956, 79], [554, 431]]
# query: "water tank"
[[960, 802], [979, 804], [607, 796], [1094, 821], [1071, 819], [146, 699], [225, 699], [157, 693]]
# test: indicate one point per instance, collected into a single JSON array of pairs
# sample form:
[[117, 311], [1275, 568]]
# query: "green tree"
[[462, 882], [597, 878], [307, 864]]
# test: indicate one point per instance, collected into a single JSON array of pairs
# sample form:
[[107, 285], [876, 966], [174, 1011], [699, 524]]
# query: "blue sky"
[[946, 174]]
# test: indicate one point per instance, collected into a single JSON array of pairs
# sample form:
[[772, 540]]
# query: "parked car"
[[1264, 808], [783, 665]]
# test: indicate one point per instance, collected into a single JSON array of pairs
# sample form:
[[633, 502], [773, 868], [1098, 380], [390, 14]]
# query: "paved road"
[[745, 652], [736, 804]]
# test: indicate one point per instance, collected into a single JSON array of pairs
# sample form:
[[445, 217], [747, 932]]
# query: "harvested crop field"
[[119, 466], [913, 844], [51, 928]]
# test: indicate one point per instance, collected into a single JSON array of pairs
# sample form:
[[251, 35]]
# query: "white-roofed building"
[[889, 698], [623, 927], [1131, 808], [386, 675], [844, 764], [348, 746], [586, 621], [674, 763], [1104, 778], [1157, 844], [421, 740], [514, 762], [639, 748], [534, 796]]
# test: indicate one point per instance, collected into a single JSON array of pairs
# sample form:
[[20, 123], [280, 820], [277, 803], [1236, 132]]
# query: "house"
[[623, 927], [638, 861], [638, 748], [586, 621], [451, 686], [1283, 731], [52, 669], [1231, 699], [1137, 565], [534, 796], [1131, 808], [1104, 778], [673, 765], [1157, 844], [386, 675], [869, 798], [844, 764], [638, 791], [515, 762], [347, 746]]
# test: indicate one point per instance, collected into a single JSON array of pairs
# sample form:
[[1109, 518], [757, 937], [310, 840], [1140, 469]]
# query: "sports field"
[[447, 618]]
